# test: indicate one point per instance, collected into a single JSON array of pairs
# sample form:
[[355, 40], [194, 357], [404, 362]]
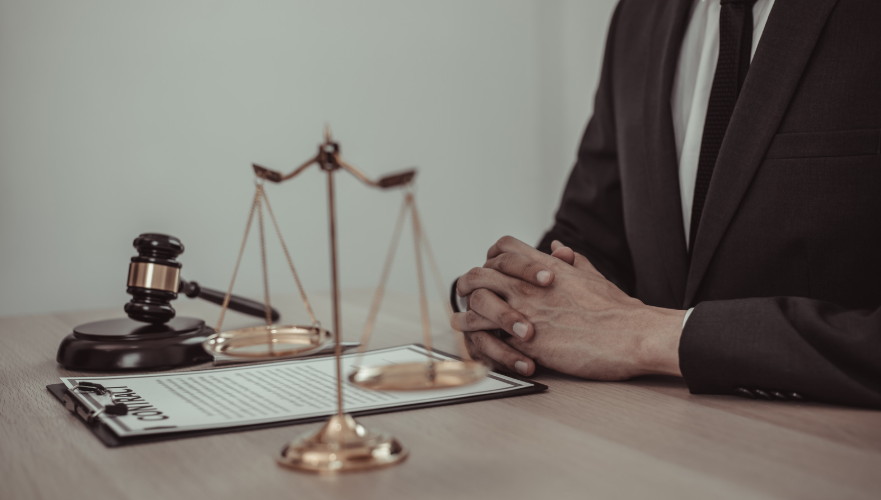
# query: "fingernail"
[[520, 329], [543, 277], [521, 367]]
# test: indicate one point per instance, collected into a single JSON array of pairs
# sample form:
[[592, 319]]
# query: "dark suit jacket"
[[786, 266]]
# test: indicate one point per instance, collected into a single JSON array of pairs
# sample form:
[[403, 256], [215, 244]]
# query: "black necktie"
[[735, 43]]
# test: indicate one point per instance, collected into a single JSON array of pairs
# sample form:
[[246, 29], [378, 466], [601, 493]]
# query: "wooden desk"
[[647, 438]]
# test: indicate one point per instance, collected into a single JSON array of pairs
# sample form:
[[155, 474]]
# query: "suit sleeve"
[[786, 345], [590, 218]]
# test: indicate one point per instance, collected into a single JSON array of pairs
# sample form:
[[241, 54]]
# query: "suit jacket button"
[[746, 393], [763, 394], [796, 396], [779, 395]]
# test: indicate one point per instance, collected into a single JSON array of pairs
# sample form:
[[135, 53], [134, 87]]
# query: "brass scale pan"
[[419, 376], [268, 341]]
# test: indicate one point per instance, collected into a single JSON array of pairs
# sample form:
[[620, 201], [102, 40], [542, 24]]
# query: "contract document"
[[291, 391]]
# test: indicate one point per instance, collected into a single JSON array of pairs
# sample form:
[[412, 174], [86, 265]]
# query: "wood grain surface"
[[646, 438]]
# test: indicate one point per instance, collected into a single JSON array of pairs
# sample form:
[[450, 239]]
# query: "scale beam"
[[328, 158]]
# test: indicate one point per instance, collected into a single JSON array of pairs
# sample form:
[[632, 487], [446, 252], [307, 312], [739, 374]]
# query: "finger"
[[470, 321], [476, 355], [502, 284], [488, 348], [513, 245], [555, 245], [521, 267], [491, 307], [565, 254]]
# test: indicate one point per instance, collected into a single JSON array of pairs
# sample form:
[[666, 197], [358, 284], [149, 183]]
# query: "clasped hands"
[[564, 315]]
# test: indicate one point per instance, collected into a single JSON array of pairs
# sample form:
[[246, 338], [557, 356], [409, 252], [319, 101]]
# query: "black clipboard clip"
[[74, 405]]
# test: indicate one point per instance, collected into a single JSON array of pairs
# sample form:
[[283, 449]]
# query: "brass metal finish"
[[342, 445], [335, 293], [419, 376], [413, 376], [329, 159], [379, 293], [287, 255], [268, 341], [265, 271], [154, 276], [395, 180], [235, 270], [423, 300]]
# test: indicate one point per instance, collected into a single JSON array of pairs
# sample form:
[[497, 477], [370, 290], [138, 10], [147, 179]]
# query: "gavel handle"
[[246, 306]]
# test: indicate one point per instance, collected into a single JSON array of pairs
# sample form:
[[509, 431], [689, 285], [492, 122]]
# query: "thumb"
[[563, 252]]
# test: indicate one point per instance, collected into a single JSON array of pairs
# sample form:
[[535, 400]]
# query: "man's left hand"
[[580, 323]]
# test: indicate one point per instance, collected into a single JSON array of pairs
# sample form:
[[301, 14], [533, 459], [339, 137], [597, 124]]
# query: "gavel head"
[[153, 278]]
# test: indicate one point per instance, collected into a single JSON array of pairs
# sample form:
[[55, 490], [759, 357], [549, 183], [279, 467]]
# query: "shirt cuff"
[[459, 304], [685, 319]]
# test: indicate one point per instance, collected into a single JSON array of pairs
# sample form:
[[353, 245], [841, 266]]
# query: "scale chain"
[[287, 255], [386, 270], [268, 307], [423, 300], [435, 270], [438, 280], [422, 244], [238, 260]]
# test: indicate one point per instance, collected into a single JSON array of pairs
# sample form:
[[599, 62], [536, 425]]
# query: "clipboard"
[[74, 404]]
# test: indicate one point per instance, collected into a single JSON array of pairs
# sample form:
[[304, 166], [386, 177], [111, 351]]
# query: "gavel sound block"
[[151, 337]]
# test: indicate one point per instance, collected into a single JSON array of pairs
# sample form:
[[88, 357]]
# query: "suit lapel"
[[786, 45], [671, 19]]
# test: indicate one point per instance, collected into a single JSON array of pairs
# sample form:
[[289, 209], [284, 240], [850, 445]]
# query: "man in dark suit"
[[744, 254]]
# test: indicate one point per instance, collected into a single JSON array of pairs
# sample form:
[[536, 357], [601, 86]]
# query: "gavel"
[[154, 281], [152, 337]]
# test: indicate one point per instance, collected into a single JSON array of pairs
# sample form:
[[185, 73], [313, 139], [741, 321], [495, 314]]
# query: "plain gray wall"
[[121, 117]]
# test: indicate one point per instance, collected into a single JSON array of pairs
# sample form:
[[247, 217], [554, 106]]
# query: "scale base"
[[342, 445], [124, 344]]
